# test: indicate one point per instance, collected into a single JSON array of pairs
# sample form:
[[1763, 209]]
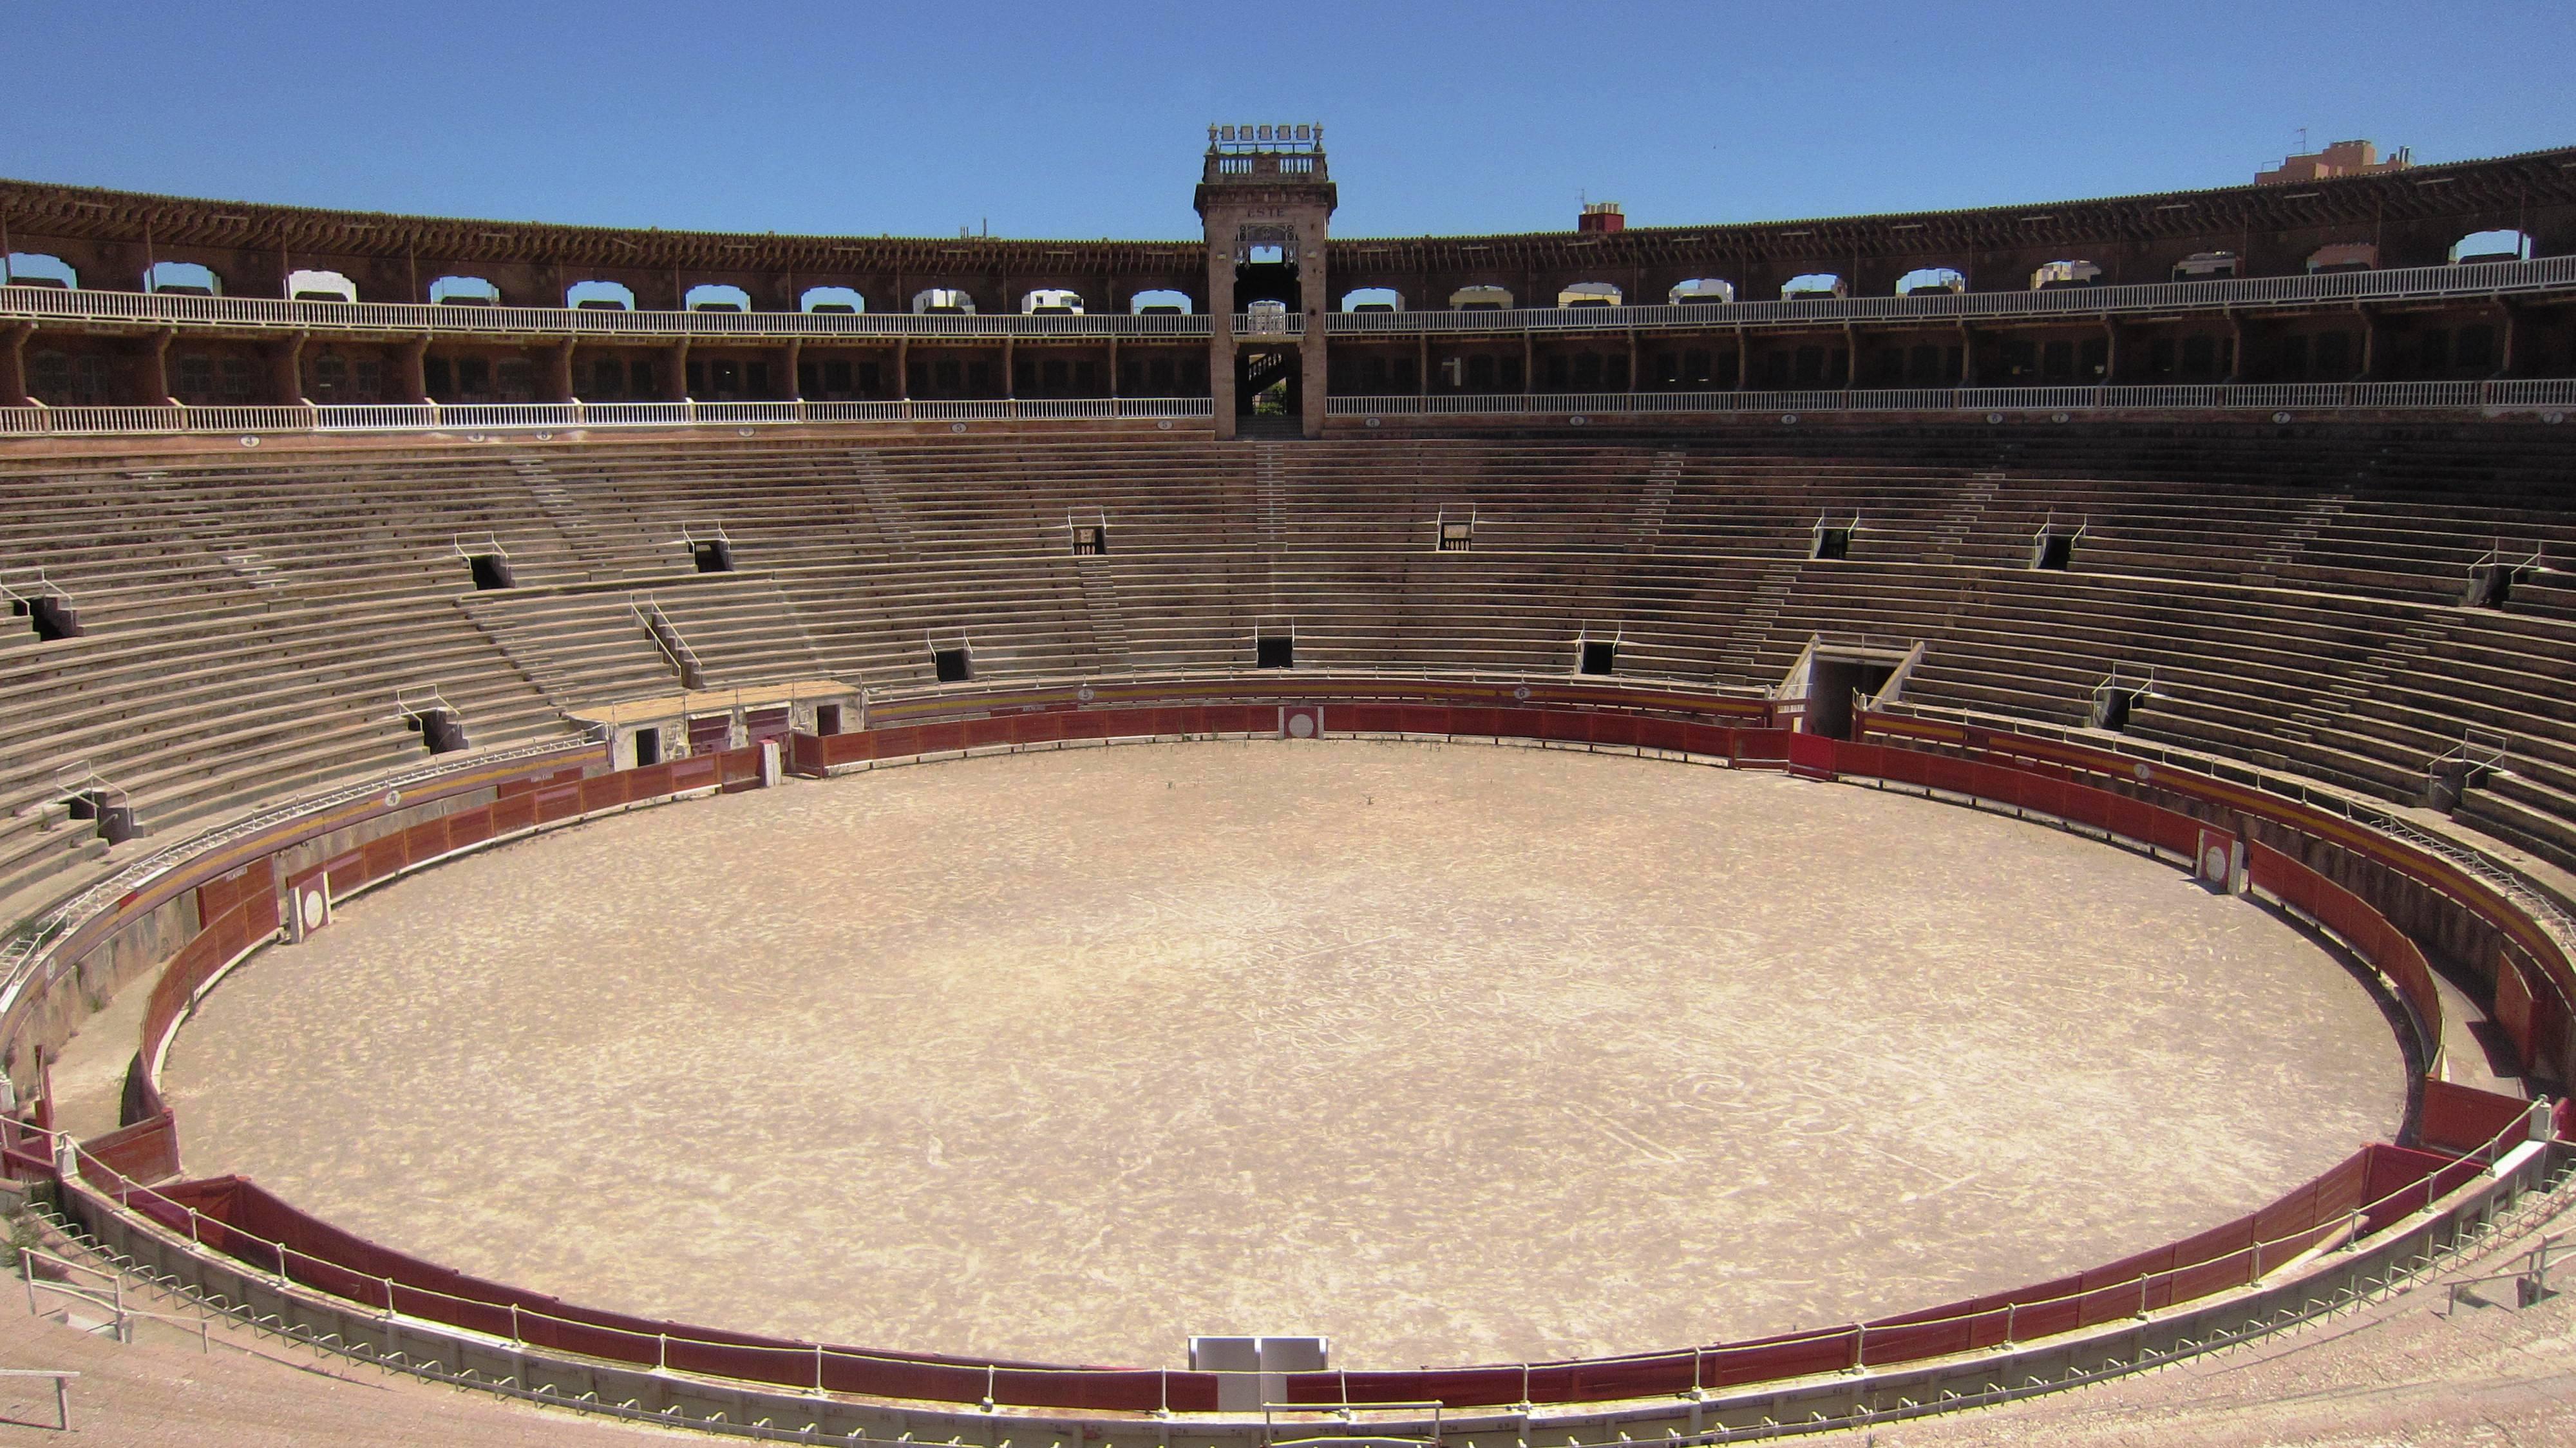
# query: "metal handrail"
[[2534, 1272], [2476, 752], [476, 419], [119, 1193], [2495, 557], [123, 1314], [83, 773], [2146, 690], [1998, 401], [62, 1390], [419, 700], [44, 588]]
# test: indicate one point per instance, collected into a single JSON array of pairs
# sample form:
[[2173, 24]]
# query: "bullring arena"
[[1436, 1050], [1283, 840]]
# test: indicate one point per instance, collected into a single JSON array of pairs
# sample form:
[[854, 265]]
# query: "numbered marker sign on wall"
[[2221, 861], [308, 906]]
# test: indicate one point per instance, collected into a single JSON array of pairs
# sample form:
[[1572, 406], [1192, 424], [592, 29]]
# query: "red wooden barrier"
[[142, 1151], [2462, 1118], [336, 1261], [240, 1218]]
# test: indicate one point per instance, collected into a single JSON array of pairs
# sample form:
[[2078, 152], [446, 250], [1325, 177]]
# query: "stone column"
[[414, 378], [1221, 332], [678, 388], [13, 364], [155, 381], [1315, 384], [560, 386], [286, 370]]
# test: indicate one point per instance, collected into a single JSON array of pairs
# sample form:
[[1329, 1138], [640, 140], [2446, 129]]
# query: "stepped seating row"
[[247, 625]]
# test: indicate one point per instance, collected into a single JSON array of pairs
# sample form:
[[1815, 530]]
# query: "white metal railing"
[[62, 1380], [44, 303], [46, 1273], [1272, 324], [2480, 279], [522, 416], [2300, 396]]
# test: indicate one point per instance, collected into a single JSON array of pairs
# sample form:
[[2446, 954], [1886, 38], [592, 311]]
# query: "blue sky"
[[1070, 120]]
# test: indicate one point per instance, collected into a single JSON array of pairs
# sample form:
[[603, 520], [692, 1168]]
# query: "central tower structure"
[[1264, 198]]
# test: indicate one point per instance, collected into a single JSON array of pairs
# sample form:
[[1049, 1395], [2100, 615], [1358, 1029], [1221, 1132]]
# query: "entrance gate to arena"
[[1252, 1372]]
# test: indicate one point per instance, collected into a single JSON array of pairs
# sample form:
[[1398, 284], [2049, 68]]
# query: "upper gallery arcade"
[[1602, 307]]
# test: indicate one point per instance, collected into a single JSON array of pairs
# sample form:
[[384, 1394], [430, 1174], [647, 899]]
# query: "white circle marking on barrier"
[[2057, 417], [2214, 864], [1083, 693], [956, 427], [2280, 417], [1163, 426], [742, 432], [312, 909], [1788, 417], [1994, 417], [1301, 726], [1372, 422], [1521, 693], [2553, 418], [1578, 419], [2142, 771], [393, 799], [249, 441]]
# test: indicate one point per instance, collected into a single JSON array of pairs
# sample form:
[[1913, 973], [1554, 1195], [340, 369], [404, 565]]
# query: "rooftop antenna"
[[2303, 140]]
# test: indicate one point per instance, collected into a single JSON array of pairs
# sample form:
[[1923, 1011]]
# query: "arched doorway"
[[1267, 377]]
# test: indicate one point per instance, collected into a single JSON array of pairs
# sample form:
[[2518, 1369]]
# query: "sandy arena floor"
[[1453, 1053]]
